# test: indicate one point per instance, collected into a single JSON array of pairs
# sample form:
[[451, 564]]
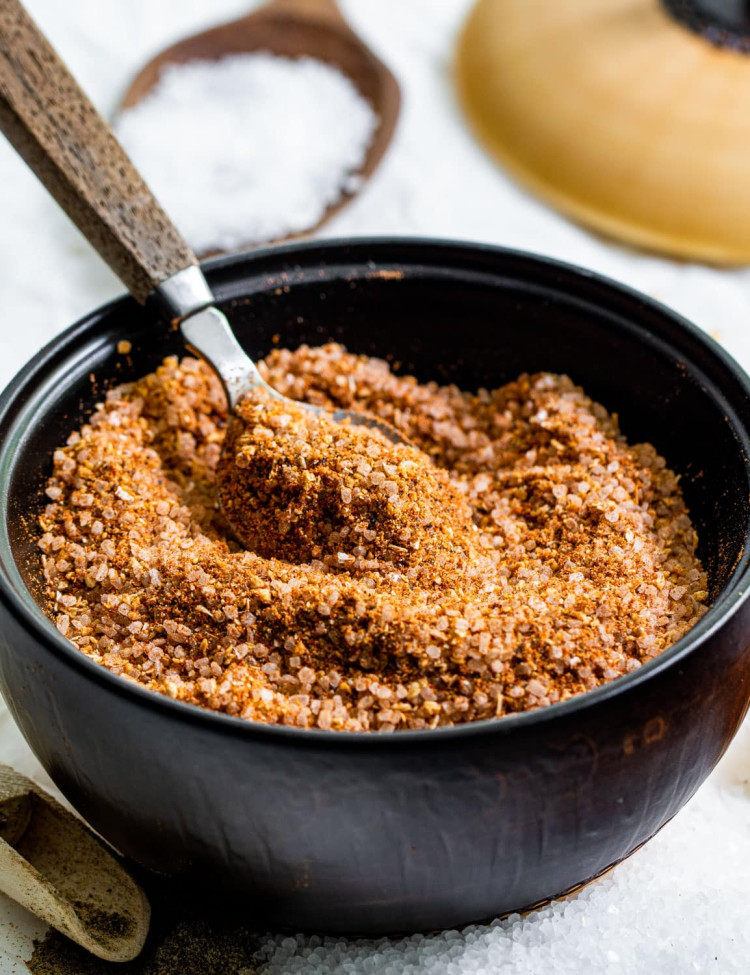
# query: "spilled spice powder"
[[185, 939], [521, 552]]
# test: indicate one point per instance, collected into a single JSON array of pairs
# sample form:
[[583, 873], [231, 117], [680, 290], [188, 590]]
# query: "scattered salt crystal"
[[266, 144]]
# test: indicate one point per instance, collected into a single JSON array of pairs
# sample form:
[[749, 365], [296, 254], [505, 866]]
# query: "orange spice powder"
[[519, 553]]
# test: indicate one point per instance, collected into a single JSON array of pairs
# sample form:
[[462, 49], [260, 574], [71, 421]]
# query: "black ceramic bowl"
[[380, 833]]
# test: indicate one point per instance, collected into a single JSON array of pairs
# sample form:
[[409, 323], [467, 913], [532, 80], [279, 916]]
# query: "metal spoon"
[[55, 867], [293, 29], [56, 129]]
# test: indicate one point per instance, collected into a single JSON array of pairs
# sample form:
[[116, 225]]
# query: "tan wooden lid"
[[618, 115]]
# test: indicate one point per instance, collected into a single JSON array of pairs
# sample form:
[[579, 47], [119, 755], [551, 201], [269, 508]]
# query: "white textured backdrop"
[[680, 904]]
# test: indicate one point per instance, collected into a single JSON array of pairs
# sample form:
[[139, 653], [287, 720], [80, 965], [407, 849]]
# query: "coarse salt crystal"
[[248, 171]]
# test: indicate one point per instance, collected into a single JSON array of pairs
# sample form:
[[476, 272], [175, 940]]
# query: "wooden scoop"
[[55, 867], [293, 29]]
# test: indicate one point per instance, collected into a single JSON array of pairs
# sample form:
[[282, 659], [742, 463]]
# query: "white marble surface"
[[679, 905]]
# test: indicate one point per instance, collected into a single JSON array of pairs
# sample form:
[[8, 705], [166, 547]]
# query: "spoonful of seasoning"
[[299, 487], [56, 129], [296, 58]]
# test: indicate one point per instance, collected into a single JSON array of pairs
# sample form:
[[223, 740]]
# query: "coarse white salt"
[[249, 148]]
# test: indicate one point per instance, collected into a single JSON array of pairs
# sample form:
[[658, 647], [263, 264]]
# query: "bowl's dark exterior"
[[415, 830]]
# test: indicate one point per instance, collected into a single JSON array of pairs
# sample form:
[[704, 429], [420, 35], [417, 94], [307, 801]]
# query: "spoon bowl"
[[209, 334], [293, 29]]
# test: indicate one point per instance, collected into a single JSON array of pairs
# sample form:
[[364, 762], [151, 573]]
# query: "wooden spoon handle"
[[56, 129]]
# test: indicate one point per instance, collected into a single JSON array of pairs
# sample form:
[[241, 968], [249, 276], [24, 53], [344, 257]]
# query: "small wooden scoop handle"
[[54, 866], [56, 129]]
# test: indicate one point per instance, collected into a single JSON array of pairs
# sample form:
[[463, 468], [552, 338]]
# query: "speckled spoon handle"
[[56, 129], [53, 125], [72, 150]]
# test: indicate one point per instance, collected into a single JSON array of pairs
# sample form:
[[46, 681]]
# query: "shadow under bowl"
[[371, 833]]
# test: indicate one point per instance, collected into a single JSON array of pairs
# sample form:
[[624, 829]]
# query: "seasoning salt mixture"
[[517, 551], [264, 145]]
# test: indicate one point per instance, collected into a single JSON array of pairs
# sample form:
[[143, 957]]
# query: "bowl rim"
[[727, 603]]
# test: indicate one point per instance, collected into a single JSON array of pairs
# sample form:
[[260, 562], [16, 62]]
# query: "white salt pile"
[[250, 148]]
